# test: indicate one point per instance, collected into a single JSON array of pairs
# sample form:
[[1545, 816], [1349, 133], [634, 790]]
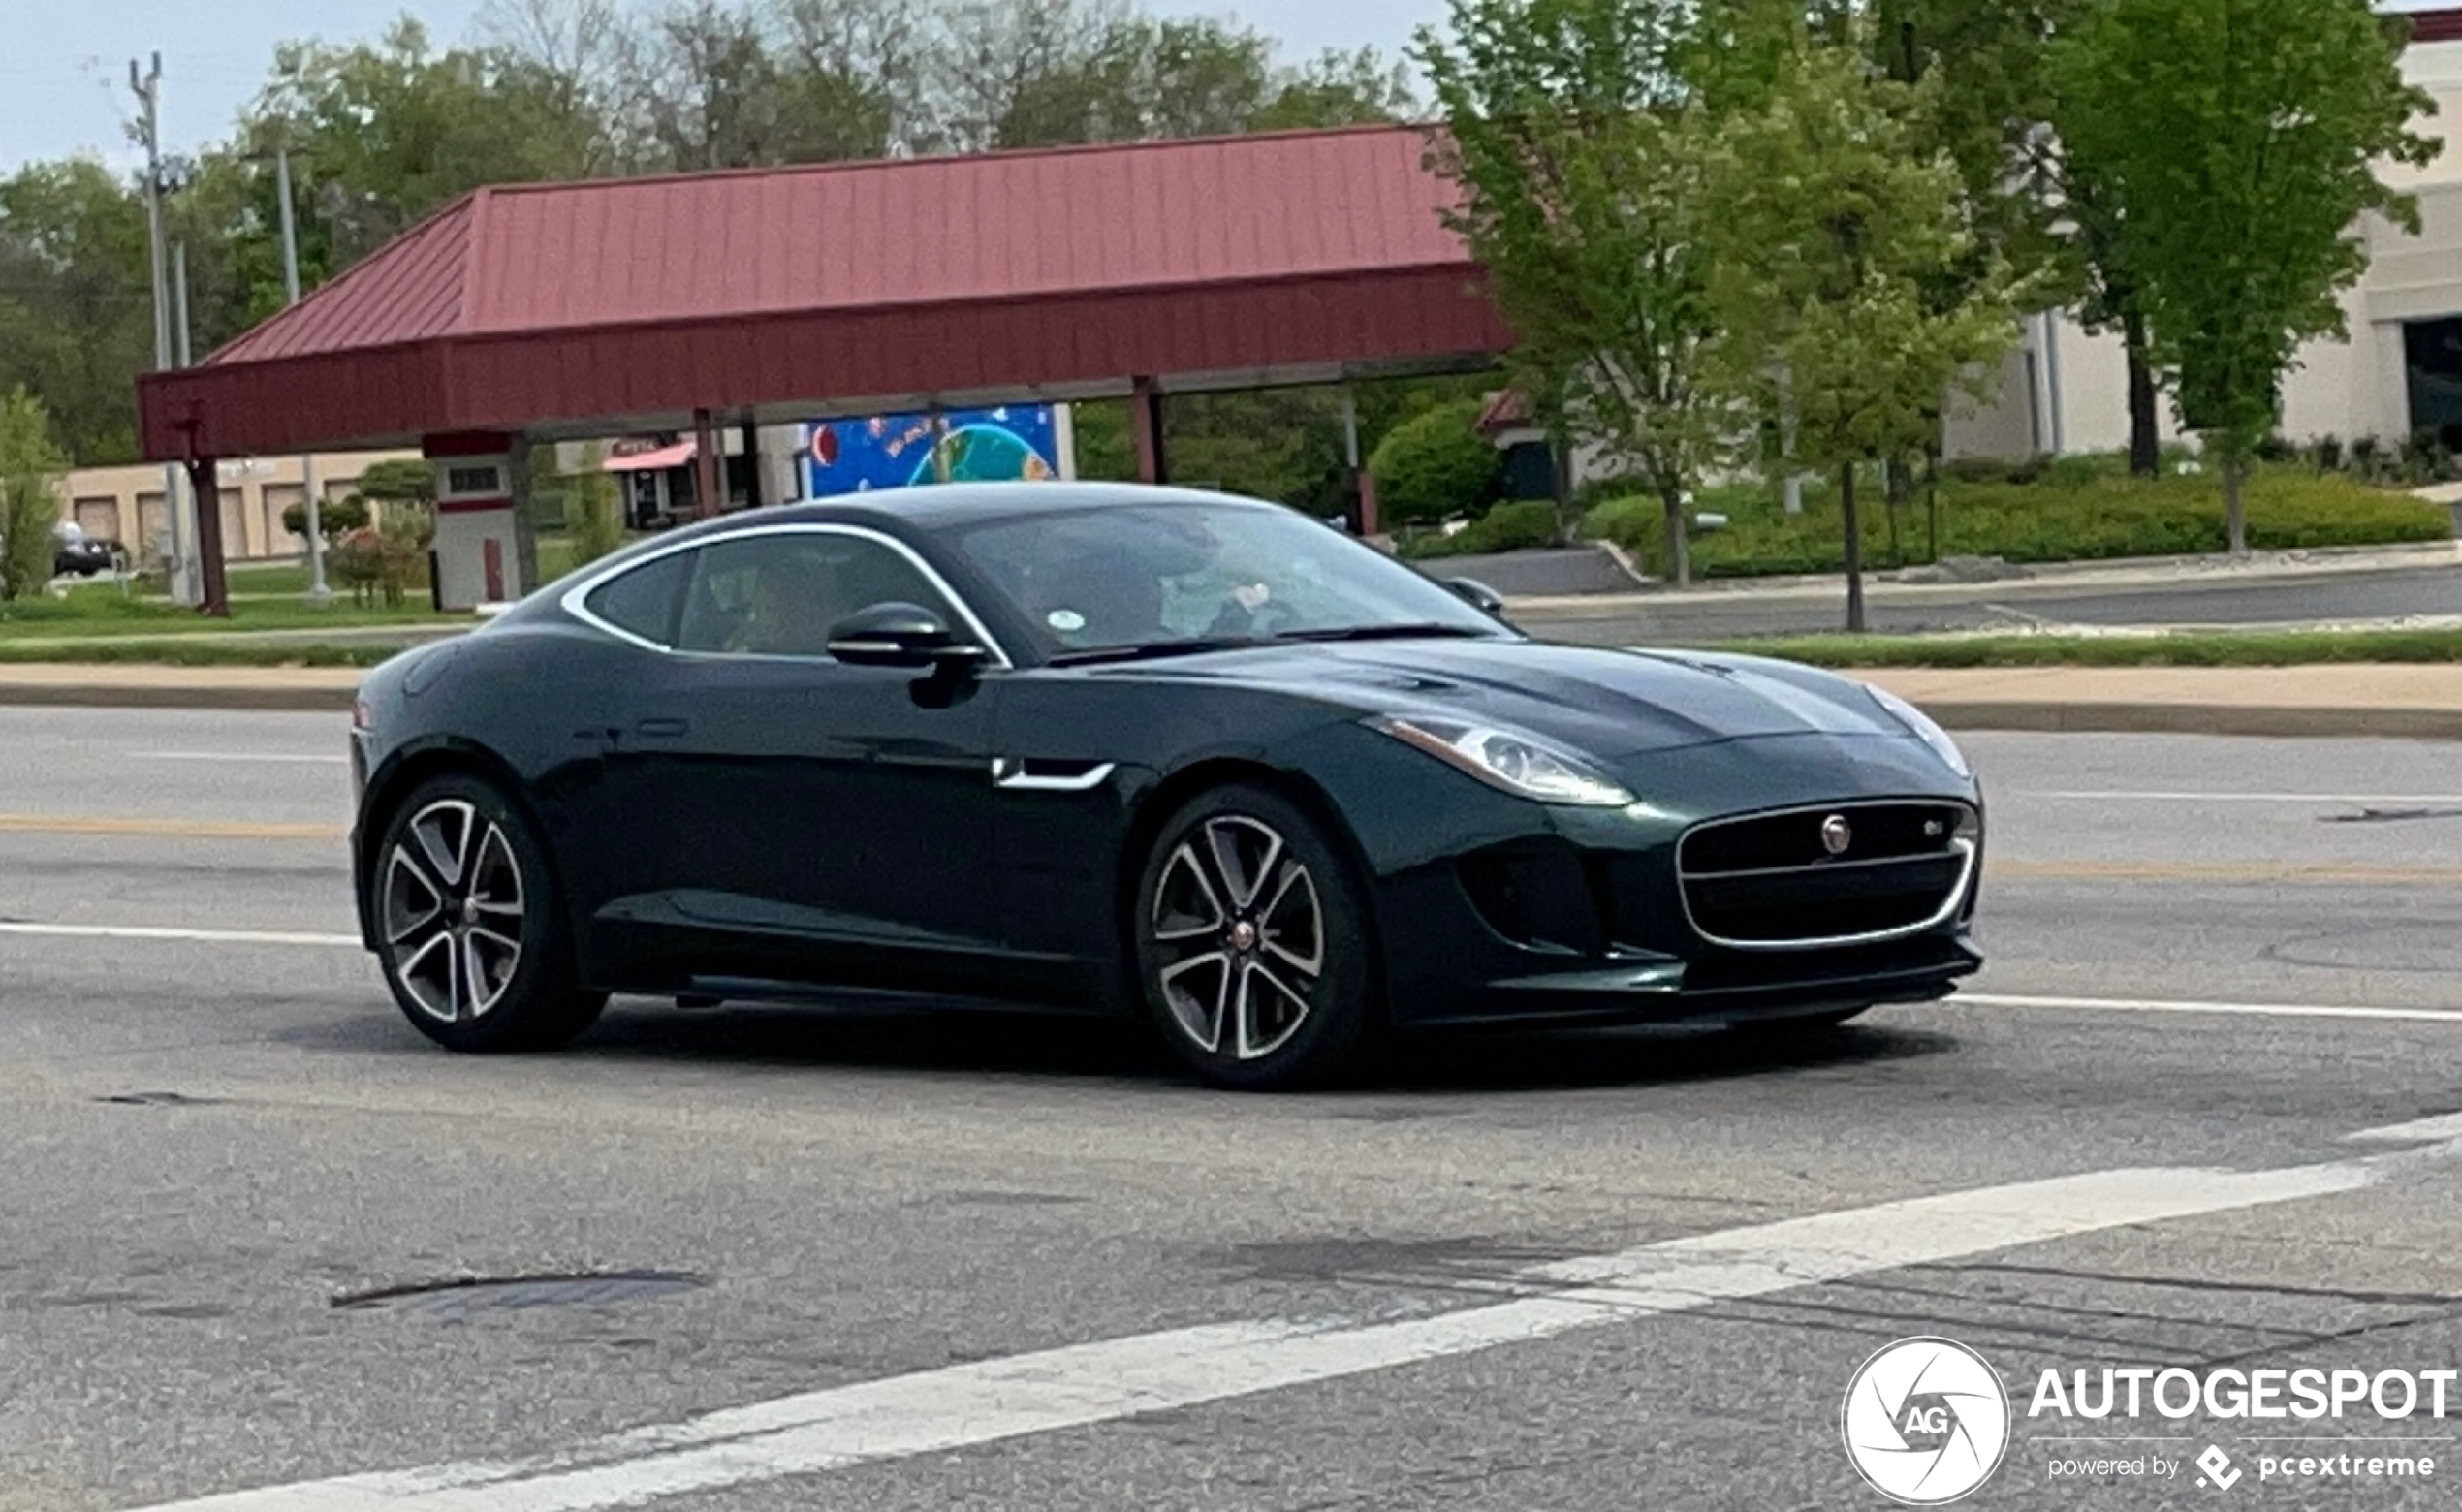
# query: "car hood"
[[1609, 702]]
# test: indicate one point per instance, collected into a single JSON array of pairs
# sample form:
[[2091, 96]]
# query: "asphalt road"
[[916, 1262], [1710, 614]]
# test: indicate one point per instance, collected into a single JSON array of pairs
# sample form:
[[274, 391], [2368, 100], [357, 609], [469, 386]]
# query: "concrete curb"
[[2278, 721]]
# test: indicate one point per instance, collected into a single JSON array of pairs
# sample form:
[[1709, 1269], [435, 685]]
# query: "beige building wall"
[[126, 503]]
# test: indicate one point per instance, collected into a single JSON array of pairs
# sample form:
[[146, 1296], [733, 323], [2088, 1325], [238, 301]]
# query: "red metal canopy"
[[584, 308]]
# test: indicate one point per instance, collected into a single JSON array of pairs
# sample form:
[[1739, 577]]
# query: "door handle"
[[662, 729]]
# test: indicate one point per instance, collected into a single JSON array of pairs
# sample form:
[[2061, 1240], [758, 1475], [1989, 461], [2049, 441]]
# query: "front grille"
[[1810, 878]]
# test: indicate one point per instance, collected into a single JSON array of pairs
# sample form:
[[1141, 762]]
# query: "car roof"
[[940, 505]]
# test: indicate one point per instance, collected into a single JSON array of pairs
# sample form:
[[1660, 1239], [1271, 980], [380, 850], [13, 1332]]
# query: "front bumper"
[[1601, 918]]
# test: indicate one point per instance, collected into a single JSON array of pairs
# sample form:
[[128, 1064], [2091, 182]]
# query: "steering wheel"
[[1270, 616]]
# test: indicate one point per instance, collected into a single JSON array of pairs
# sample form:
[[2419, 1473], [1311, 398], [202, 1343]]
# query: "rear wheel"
[[472, 939], [1252, 946]]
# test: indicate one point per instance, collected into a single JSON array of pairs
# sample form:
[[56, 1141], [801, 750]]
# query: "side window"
[[642, 602], [780, 593]]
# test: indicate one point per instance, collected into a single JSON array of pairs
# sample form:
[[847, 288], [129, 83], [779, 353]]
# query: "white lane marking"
[[2242, 798], [935, 1411], [318, 759], [132, 932], [2162, 1005], [2435, 1129]]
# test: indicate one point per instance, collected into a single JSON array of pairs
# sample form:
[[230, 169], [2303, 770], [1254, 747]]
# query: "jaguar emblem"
[[1836, 835]]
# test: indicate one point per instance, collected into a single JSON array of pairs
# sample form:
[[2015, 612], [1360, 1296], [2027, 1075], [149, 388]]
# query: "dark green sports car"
[[1134, 750]]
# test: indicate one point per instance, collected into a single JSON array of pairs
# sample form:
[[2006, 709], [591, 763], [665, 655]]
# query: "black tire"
[[457, 839], [1292, 1028]]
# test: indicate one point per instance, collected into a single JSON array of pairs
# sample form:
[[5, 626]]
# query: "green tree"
[[594, 513], [1435, 465], [1831, 231], [2236, 141], [75, 303], [30, 466], [386, 133], [1338, 89], [335, 518], [1580, 188], [401, 480]]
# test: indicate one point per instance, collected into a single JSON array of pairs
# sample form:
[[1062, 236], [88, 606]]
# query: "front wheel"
[[471, 935], [1252, 944]]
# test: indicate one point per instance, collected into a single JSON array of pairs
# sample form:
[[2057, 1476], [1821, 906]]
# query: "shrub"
[[384, 562], [2104, 519], [29, 462], [1507, 528], [1435, 465], [335, 518]]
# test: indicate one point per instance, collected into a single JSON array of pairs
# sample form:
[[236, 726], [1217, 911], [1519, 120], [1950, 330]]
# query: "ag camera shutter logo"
[[1926, 1421]]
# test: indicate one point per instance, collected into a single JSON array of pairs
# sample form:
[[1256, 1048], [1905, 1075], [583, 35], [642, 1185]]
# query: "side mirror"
[[900, 635], [1478, 594]]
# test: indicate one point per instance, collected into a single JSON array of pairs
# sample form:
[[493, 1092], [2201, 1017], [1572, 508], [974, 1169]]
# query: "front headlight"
[[1521, 764], [1923, 727]]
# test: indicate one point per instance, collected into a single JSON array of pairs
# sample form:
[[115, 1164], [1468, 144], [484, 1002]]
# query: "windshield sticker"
[[1065, 621]]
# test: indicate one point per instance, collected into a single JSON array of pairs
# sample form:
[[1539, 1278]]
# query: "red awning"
[[1065, 273], [678, 455]]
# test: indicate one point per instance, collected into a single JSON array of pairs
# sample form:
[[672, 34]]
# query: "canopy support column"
[[1144, 419], [204, 486], [709, 475]]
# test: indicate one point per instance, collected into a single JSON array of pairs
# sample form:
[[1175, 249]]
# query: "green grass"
[[2073, 512], [135, 650], [291, 579], [2183, 648], [102, 612]]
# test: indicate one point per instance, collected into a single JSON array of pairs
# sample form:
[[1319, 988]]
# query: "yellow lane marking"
[[169, 828]]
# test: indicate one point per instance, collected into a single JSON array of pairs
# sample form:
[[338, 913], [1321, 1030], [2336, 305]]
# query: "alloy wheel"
[[1240, 935], [454, 911]]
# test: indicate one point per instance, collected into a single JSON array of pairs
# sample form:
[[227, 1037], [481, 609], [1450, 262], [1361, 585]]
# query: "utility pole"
[[317, 591], [148, 88], [179, 296]]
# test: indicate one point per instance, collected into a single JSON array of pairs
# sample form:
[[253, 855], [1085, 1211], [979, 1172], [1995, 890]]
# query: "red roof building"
[[587, 309]]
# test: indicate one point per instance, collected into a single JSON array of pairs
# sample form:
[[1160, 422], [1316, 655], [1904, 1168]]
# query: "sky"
[[64, 63]]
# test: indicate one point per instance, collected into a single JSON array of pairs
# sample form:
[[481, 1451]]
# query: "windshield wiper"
[[1389, 633], [1148, 650]]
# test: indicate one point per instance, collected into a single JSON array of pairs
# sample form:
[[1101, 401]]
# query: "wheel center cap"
[[470, 910], [1244, 936]]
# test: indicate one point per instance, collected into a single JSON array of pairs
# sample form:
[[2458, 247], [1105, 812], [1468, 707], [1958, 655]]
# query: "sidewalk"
[[2407, 701]]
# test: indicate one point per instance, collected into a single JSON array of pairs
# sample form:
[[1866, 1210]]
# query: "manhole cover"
[[159, 1099], [469, 1294]]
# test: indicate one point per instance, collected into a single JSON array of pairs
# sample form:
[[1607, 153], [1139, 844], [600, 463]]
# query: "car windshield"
[[1185, 576]]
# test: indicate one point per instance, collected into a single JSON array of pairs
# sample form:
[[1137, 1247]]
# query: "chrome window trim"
[[574, 600], [1962, 845]]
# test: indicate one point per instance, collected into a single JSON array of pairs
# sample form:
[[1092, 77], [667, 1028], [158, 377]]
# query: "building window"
[[2431, 356]]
